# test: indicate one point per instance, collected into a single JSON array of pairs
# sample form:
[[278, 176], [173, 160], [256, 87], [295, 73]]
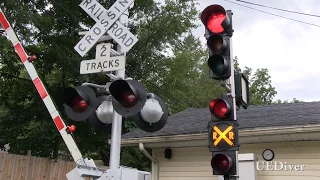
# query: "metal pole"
[[233, 92], [226, 177], [115, 148]]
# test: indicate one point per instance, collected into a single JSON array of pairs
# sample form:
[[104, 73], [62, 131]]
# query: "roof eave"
[[245, 136]]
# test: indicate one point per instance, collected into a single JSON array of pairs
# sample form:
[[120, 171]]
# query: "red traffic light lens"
[[214, 22], [221, 163], [128, 100], [219, 108], [79, 104]]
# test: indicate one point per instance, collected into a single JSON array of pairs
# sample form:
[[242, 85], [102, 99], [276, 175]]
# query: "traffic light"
[[79, 102], [224, 163], [223, 136], [223, 129], [129, 96], [153, 116], [218, 30]]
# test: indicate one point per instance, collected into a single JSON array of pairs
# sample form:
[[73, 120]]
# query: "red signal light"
[[215, 18], [219, 108], [128, 100], [214, 22], [221, 163], [32, 58], [79, 104], [71, 128]]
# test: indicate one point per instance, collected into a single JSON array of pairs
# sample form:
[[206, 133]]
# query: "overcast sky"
[[290, 50]]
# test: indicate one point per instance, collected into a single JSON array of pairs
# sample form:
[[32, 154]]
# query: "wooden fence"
[[21, 167]]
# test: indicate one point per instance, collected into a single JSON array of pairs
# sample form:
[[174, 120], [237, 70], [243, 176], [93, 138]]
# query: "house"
[[291, 131]]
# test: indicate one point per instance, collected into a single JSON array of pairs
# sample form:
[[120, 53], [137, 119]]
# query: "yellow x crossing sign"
[[227, 135]]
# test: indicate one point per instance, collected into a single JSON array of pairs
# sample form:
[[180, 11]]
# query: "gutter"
[[143, 150]]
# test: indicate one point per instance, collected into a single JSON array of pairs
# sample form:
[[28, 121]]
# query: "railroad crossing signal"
[[218, 30], [223, 136], [223, 128], [106, 21], [81, 103]]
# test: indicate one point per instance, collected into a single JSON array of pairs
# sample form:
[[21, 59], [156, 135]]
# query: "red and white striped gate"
[[61, 126]]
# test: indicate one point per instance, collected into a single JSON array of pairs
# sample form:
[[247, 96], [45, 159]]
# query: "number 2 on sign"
[[103, 51]]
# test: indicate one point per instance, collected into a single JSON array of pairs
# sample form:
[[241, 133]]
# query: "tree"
[[260, 88], [51, 33], [294, 100]]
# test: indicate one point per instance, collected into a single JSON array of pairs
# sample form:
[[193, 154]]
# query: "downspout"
[[144, 151]]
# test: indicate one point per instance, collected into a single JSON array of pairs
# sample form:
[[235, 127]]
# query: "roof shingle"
[[193, 121]]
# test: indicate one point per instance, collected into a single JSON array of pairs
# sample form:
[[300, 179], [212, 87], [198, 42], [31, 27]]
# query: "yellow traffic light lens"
[[217, 44]]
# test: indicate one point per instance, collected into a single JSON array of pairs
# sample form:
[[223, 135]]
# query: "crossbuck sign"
[[107, 21]]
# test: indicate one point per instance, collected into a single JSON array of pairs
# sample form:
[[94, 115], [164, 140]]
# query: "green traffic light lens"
[[217, 64]]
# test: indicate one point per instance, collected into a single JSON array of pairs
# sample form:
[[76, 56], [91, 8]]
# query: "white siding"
[[194, 163]]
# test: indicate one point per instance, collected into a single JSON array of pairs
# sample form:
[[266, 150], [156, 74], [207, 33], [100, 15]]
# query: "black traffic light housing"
[[218, 30], [79, 102], [152, 127], [224, 163], [129, 96]]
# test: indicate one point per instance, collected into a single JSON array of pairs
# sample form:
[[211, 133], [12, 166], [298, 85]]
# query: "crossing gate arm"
[[61, 126]]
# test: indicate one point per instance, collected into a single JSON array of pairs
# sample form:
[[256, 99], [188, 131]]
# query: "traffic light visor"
[[124, 93], [217, 64], [73, 99], [213, 17], [219, 108], [221, 163]]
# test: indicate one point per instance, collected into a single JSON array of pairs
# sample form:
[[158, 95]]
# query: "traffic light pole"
[[115, 148], [233, 93]]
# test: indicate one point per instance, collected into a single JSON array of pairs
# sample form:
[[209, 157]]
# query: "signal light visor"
[[219, 108]]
